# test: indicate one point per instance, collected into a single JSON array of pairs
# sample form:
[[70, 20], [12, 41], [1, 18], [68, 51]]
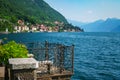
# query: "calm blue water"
[[97, 55]]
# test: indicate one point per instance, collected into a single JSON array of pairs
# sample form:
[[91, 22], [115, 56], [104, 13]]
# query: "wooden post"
[[61, 58], [72, 58], [47, 56], [46, 51]]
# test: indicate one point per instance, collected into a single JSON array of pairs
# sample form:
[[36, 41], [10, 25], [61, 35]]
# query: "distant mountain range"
[[108, 25]]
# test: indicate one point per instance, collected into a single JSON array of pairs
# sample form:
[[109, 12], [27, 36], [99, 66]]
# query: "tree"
[[12, 50]]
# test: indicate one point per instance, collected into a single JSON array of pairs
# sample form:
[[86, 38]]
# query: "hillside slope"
[[33, 11]]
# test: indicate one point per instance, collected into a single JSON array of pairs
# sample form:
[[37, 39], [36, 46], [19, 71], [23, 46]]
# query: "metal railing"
[[53, 58]]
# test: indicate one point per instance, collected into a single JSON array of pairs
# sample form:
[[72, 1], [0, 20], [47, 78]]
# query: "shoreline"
[[4, 32]]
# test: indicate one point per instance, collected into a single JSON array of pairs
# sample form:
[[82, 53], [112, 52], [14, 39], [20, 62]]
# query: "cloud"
[[61, 9], [89, 11]]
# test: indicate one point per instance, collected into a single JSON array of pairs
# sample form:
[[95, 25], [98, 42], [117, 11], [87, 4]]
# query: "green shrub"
[[12, 50]]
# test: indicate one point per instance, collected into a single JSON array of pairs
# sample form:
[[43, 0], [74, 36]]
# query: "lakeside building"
[[42, 28]]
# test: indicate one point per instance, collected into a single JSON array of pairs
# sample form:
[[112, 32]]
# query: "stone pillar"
[[2, 73], [23, 68]]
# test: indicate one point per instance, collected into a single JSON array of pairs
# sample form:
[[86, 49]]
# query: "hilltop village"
[[57, 27]]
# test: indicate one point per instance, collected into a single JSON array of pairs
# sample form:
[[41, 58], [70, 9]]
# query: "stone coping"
[[23, 63]]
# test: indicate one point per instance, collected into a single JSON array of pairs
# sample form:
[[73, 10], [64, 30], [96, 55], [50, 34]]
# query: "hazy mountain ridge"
[[108, 25], [117, 29]]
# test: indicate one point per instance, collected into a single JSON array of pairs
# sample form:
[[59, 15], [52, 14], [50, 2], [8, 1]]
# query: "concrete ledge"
[[23, 63]]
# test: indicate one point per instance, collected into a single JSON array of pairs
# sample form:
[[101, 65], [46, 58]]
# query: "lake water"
[[97, 55]]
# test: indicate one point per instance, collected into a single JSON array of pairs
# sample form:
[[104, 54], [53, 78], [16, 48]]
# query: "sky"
[[86, 10]]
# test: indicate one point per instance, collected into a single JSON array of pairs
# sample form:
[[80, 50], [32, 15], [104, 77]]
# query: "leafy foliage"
[[32, 11], [12, 50], [6, 24]]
